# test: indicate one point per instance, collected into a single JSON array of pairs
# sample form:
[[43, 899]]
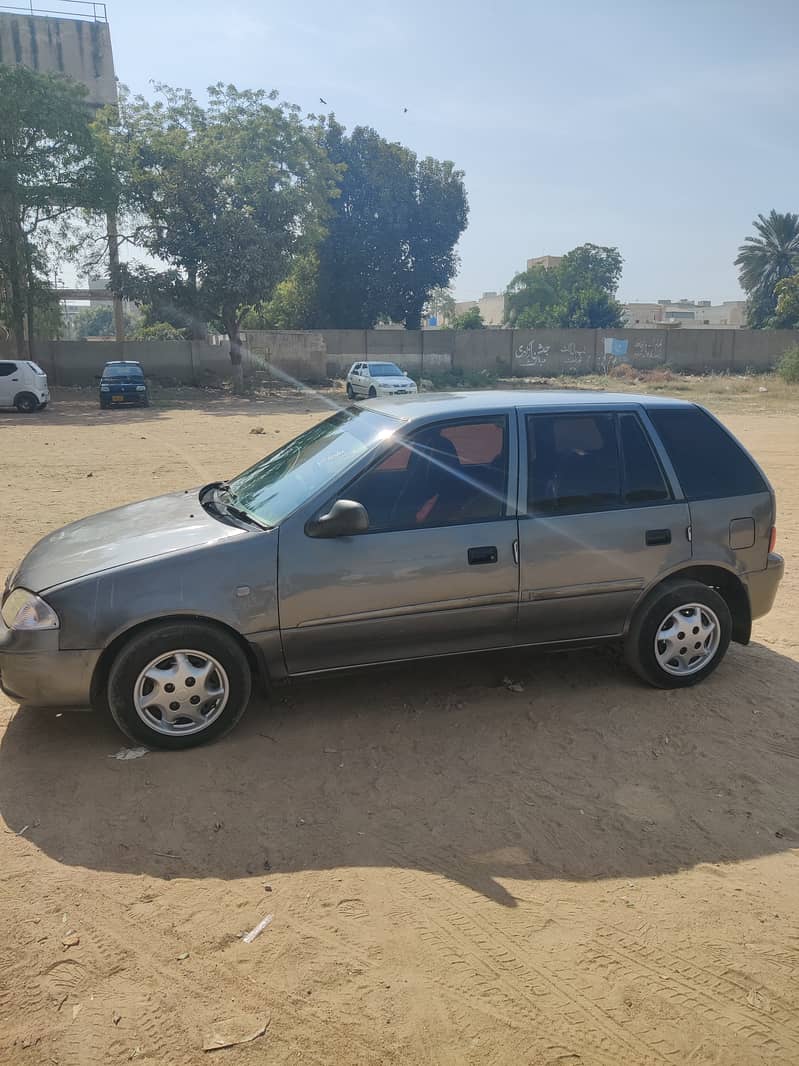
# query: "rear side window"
[[573, 464], [643, 478], [7, 369], [709, 462]]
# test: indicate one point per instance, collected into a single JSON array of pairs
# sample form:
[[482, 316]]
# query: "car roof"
[[482, 401]]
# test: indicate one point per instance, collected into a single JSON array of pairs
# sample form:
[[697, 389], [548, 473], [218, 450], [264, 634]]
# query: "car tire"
[[145, 402], [679, 635], [205, 662], [26, 403], [350, 393], [372, 393]]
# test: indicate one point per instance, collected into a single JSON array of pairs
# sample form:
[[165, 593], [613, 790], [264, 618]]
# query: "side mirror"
[[344, 519]]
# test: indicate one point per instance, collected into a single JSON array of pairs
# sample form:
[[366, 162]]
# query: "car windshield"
[[276, 486], [385, 370], [123, 372]]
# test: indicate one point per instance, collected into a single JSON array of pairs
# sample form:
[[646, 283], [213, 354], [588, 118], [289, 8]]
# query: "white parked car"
[[23, 384], [378, 379]]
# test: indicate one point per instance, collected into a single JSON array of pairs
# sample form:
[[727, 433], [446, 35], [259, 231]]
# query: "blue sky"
[[662, 127]]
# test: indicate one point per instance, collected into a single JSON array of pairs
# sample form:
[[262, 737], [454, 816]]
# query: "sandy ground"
[[588, 871]]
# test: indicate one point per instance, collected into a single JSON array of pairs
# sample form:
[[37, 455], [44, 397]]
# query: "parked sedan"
[[396, 530], [370, 380]]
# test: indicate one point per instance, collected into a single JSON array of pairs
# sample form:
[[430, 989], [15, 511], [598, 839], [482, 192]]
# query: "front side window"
[[448, 474], [709, 462], [276, 486]]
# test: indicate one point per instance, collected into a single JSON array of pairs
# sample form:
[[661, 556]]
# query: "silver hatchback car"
[[399, 529]]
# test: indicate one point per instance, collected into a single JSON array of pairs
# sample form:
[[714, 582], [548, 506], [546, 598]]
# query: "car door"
[[604, 519], [364, 380], [8, 388], [434, 574]]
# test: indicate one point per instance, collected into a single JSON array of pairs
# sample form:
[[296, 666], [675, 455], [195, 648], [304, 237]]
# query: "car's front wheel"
[[179, 684], [372, 392], [680, 634]]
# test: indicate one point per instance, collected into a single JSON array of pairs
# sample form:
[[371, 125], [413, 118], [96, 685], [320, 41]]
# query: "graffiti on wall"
[[532, 354], [651, 351], [576, 358]]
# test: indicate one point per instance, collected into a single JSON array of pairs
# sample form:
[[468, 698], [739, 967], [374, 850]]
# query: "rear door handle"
[[658, 536], [477, 556]]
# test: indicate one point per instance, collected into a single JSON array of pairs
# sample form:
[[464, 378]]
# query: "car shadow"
[[81, 406], [488, 769]]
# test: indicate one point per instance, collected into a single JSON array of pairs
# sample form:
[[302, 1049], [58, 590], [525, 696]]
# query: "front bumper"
[[34, 670], [763, 584]]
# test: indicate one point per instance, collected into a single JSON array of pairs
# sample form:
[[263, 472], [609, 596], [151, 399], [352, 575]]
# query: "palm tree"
[[765, 260]]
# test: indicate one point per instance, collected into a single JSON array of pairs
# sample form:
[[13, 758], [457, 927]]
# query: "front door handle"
[[477, 556], [658, 536]]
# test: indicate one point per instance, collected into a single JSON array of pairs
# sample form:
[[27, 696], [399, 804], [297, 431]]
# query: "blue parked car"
[[122, 382]]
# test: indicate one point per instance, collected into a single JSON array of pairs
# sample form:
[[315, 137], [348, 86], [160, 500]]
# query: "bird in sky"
[[321, 101], [405, 110]]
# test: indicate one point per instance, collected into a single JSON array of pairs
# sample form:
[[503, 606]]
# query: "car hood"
[[130, 534], [394, 382]]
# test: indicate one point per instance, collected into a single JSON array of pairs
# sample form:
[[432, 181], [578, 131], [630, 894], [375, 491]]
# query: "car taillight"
[[772, 540]]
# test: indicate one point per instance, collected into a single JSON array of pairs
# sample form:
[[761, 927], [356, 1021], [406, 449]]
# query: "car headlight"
[[105, 388], [26, 610], [140, 388]]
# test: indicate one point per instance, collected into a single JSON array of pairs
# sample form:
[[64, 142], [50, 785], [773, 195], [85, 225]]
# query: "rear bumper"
[[763, 584], [34, 670]]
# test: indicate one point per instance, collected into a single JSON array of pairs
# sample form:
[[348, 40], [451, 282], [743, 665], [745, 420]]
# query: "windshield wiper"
[[226, 501], [237, 512]]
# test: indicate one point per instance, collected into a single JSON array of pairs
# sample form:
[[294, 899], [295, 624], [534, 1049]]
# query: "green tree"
[[579, 293], [294, 302], [227, 195], [786, 315], [96, 322], [48, 167], [440, 303], [765, 260], [531, 297], [470, 319], [391, 238], [158, 331]]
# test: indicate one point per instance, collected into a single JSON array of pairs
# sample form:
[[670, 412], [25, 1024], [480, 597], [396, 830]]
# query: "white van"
[[23, 384]]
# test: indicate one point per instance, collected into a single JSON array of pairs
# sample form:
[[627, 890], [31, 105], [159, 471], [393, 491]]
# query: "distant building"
[[490, 304], [548, 262], [694, 314]]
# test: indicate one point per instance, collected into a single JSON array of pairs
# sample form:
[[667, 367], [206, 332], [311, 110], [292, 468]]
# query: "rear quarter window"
[[709, 462]]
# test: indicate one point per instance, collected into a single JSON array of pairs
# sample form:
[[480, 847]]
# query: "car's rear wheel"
[[680, 635], [178, 685], [350, 392], [26, 403]]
